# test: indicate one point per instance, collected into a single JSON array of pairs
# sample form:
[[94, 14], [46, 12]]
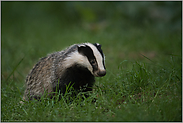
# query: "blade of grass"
[[14, 69], [17, 66]]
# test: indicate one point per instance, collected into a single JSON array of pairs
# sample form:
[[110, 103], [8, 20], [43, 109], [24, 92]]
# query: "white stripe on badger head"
[[76, 57], [81, 45], [97, 55]]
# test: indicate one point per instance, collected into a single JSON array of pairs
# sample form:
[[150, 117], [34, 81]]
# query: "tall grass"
[[142, 93]]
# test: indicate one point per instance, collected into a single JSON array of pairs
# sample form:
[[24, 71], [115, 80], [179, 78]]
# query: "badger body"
[[77, 65]]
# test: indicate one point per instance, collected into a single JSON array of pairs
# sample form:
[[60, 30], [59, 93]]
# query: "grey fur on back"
[[43, 75]]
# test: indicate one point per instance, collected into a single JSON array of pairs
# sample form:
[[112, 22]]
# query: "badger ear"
[[97, 45]]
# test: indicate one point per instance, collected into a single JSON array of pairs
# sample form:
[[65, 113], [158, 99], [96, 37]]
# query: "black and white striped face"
[[94, 58]]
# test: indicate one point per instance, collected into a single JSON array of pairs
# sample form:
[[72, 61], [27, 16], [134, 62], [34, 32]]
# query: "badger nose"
[[102, 73]]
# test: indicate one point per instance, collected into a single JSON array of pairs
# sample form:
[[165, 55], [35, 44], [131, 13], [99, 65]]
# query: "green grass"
[[143, 80]]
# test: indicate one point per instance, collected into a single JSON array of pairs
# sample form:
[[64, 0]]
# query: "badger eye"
[[93, 62]]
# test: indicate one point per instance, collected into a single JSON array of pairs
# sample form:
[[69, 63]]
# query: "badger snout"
[[101, 73]]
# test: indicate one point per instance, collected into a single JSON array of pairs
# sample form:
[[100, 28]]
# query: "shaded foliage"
[[138, 13]]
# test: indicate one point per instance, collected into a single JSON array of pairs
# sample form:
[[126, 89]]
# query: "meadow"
[[143, 62]]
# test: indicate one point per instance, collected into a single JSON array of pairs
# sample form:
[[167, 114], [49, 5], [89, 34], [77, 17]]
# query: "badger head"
[[89, 56], [93, 58]]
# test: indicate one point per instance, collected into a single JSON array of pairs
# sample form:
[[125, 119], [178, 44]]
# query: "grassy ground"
[[143, 80]]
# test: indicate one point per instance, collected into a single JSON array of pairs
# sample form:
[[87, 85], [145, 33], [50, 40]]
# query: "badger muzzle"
[[100, 73]]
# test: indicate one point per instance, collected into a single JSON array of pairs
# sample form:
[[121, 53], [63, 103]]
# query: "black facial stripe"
[[87, 51]]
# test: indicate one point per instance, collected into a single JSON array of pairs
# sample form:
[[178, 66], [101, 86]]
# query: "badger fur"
[[77, 65]]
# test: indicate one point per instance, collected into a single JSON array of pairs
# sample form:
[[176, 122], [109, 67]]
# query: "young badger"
[[76, 65]]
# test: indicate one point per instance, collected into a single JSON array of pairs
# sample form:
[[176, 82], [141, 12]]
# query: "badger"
[[77, 65]]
